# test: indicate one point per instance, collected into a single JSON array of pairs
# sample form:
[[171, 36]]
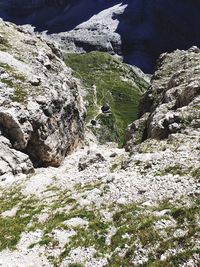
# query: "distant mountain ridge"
[[145, 28]]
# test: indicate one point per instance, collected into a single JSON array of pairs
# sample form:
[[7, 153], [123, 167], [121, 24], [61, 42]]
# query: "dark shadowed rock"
[[135, 132]]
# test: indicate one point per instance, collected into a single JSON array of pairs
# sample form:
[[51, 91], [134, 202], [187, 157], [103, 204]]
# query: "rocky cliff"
[[138, 30], [41, 113], [170, 107]]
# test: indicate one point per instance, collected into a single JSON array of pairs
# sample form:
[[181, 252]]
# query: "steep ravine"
[[113, 90], [45, 109], [70, 194], [103, 206]]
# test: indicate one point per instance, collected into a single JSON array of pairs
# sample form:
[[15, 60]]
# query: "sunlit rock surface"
[[41, 113]]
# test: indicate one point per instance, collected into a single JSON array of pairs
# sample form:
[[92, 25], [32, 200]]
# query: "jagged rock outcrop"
[[98, 33], [41, 112], [171, 106]]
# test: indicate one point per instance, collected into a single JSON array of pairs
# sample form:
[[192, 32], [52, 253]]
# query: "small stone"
[[47, 64], [122, 201], [194, 49], [110, 178], [1, 39], [43, 217], [113, 155], [84, 202], [76, 222], [35, 81], [4, 75], [10, 213], [90, 159], [101, 176], [162, 212], [148, 203]]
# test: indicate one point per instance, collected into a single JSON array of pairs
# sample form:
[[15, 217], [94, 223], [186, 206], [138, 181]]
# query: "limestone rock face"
[[98, 33], [41, 112], [172, 103], [135, 132], [12, 160], [90, 159]]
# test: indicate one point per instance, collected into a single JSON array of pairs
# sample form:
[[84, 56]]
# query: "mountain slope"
[[43, 104], [108, 84], [90, 203], [108, 207]]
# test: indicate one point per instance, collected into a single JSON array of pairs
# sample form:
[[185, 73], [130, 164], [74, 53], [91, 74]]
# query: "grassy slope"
[[134, 224], [116, 84]]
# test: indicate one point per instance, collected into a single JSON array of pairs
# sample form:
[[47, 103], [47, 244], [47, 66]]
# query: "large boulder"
[[41, 112], [173, 100]]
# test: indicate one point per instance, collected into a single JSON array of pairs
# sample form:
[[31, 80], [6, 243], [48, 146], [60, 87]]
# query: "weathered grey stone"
[[174, 96], [41, 112], [90, 159], [98, 33], [11, 160], [135, 132]]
